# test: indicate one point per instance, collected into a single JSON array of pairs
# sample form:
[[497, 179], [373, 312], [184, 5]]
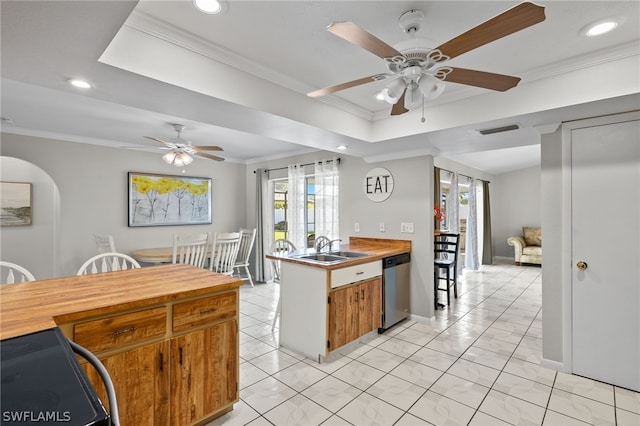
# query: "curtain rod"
[[306, 164], [460, 174]]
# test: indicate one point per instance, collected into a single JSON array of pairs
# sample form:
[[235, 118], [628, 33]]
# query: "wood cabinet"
[[175, 363], [322, 310], [354, 310]]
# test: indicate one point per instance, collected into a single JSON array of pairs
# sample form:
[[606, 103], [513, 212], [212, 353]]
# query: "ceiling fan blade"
[[398, 108], [513, 20], [169, 144], [362, 38], [483, 79], [337, 88], [207, 148], [209, 156]]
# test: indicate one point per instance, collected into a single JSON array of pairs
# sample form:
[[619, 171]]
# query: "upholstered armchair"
[[528, 246]]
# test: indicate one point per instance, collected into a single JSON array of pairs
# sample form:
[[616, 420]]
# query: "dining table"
[[154, 255]]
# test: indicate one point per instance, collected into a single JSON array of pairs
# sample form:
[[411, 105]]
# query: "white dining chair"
[[281, 247], [105, 243], [247, 239], [108, 262], [11, 273], [224, 252], [191, 249]]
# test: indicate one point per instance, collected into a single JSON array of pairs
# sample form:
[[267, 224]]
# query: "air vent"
[[501, 129]]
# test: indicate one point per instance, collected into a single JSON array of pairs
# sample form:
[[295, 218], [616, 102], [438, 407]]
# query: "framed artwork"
[[156, 200], [15, 203]]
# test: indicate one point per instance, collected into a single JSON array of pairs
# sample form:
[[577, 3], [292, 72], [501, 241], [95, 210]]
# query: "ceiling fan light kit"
[[415, 77], [181, 152]]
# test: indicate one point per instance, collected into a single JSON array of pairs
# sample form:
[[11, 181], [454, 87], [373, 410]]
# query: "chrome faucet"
[[328, 243]]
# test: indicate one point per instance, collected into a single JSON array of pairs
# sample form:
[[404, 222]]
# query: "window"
[[280, 204]]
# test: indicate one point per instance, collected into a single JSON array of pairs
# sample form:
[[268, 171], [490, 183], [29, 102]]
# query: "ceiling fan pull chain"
[[422, 120]]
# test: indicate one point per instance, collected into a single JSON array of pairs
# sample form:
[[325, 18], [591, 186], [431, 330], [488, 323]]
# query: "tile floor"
[[475, 363]]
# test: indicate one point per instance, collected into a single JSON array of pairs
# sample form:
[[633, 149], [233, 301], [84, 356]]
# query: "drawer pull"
[[360, 273], [208, 311], [125, 331]]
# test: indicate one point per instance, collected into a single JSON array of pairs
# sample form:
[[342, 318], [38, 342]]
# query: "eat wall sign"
[[378, 184]]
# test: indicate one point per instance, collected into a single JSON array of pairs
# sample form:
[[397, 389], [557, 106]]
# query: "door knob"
[[582, 265]]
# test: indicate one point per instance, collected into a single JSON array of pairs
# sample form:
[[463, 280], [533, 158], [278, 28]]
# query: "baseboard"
[[554, 365]]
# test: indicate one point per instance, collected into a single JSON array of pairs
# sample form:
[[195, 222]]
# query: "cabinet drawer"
[[197, 312], [352, 274], [121, 330]]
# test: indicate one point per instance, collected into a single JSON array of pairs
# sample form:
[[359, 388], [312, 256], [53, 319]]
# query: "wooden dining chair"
[[108, 262], [105, 243], [11, 273], [191, 249], [224, 252], [445, 253], [247, 239], [281, 246]]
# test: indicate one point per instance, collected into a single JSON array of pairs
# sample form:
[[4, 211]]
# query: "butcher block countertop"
[[38, 305], [376, 248]]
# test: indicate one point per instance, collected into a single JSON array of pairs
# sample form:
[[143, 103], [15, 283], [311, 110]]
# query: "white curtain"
[[326, 199], [262, 236], [454, 205], [471, 254], [296, 206]]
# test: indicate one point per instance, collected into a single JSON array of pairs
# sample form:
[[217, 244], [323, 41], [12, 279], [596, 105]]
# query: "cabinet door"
[[204, 372], [141, 380], [343, 316], [369, 306]]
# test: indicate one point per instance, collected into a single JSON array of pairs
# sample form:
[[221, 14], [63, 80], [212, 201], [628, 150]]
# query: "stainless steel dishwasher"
[[396, 272]]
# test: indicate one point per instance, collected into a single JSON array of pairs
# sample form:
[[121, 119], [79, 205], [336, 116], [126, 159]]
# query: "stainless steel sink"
[[322, 257], [348, 254]]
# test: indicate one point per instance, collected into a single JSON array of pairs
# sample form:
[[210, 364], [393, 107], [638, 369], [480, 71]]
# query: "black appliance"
[[396, 272], [42, 383]]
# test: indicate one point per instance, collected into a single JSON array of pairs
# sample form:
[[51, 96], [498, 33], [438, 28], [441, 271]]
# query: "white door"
[[605, 188]]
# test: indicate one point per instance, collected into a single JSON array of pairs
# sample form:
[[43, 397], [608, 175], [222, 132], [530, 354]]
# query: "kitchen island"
[[167, 334], [326, 305]]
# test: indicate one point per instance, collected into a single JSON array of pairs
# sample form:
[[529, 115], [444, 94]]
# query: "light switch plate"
[[381, 226], [406, 227], [356, 227]]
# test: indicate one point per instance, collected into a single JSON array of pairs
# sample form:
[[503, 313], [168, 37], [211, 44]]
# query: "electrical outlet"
[[356, 227], [381, 226], [406, 227]]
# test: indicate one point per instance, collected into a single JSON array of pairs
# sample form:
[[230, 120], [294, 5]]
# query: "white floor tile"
[[475, 363], [369, 410], [298, 411]]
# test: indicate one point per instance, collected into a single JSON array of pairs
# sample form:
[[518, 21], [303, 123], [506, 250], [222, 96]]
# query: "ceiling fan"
[[414, 73], [181, 151]]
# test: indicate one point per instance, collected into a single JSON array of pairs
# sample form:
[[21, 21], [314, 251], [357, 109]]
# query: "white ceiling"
[[239, 79]]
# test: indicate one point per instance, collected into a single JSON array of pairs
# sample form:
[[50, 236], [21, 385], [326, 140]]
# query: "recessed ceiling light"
[[208, 6], [342, 147], [79, 83], [380, 95], [601, 27]]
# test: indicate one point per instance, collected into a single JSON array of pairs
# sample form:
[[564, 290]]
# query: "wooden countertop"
[[38, 305], [376, 248]]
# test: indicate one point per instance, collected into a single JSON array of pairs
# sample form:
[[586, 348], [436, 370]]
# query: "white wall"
[[29, 245], [410, 201], [92, 182], [515, 202]]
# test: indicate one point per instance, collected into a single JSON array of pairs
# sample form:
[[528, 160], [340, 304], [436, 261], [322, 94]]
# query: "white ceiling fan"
[[414, 72], [181, 151]]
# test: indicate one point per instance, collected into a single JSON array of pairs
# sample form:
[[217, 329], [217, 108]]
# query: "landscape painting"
[[156, 200], [15, 203]]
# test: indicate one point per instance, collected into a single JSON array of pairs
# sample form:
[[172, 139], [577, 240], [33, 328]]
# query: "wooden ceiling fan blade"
[[398, 108], [483, 79], [207, 148], [354, 83], [360, 37], [169, 144], [513, 20], [209, 156]]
